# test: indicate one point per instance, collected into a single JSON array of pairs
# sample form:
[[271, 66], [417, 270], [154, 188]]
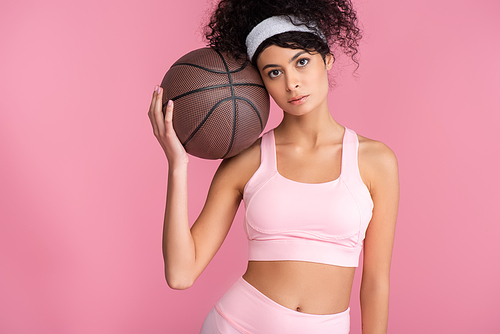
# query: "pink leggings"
[[244, 309]]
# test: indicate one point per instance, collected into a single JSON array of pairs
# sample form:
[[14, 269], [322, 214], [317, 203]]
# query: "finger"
[[169, 111], [158, 113], [151, 112], [151, 106]]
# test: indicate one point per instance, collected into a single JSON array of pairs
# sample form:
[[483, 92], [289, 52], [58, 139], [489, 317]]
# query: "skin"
[[309, 147]]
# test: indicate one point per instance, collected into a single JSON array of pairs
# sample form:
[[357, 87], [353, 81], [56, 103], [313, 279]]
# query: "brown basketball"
[[220, 105]]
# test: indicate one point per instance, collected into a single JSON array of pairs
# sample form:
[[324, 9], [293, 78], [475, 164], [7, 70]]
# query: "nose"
[[292, 82]]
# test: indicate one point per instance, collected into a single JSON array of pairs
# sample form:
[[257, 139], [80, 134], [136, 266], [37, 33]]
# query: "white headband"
[[273, 26]]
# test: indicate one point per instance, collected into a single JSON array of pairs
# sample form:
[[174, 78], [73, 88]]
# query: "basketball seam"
[[212, 110], [254, 109], [233, 97], [212, 71], [211, 87], [204, 120]]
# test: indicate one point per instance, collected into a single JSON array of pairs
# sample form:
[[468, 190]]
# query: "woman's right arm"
[[186, 252]]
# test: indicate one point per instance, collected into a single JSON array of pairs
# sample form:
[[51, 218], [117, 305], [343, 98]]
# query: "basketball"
[[220, 104]]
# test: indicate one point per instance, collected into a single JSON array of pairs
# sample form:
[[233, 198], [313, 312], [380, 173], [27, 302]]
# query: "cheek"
[[278, 97], [272, 89], [320, 80]]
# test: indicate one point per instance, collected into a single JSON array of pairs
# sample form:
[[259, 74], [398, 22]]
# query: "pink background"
[[82, 179]]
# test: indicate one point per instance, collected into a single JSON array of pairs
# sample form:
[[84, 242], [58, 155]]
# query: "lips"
[[298, 99]]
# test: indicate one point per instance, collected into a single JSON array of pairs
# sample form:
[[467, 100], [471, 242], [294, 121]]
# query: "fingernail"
[[169, 103]]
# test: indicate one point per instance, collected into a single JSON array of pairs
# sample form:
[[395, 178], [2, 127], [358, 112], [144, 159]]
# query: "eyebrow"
[[297, 55]]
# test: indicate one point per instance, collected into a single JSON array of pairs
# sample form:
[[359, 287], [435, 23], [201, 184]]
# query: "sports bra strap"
[[268, 151], [350, 154]]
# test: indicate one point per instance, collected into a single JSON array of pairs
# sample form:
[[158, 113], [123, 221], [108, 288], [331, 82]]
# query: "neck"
[[314, 127]]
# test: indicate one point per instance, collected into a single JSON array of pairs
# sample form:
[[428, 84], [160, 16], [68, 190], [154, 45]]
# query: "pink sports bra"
[[312, 222]]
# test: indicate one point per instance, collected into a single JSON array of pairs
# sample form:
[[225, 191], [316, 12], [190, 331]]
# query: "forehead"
[[274, 53]]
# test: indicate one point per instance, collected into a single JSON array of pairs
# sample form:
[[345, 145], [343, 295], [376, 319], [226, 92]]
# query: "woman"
[[314, 191]]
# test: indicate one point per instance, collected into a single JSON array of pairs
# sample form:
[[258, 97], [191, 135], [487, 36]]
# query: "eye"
[[302, 62], [274, 73]]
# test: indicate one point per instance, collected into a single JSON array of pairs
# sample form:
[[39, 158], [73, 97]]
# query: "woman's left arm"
[[379, 168]]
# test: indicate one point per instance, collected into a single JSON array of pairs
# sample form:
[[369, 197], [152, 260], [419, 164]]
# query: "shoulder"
[[376, 153], [377, 162], [240, 168]]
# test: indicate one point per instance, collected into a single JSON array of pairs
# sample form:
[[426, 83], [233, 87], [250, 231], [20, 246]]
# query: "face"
[[295, 79]]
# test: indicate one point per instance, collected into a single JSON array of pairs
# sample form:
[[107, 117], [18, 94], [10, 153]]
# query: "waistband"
[[250, 311]]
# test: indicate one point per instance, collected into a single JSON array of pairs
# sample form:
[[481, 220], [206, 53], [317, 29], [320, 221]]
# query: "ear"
[[328, 61]]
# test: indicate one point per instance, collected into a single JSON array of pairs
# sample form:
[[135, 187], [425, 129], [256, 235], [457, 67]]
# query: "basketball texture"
[[220, 105]]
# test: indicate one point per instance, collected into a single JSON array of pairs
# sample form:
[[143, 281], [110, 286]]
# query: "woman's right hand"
[[164, 131]]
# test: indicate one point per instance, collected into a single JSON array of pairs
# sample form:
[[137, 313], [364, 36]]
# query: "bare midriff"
[[306, 287]]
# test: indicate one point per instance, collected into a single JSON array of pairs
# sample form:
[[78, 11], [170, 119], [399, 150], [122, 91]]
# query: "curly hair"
[[233, 20]]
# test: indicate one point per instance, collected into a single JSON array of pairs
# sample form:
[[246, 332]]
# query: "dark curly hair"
[[233, 20]]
